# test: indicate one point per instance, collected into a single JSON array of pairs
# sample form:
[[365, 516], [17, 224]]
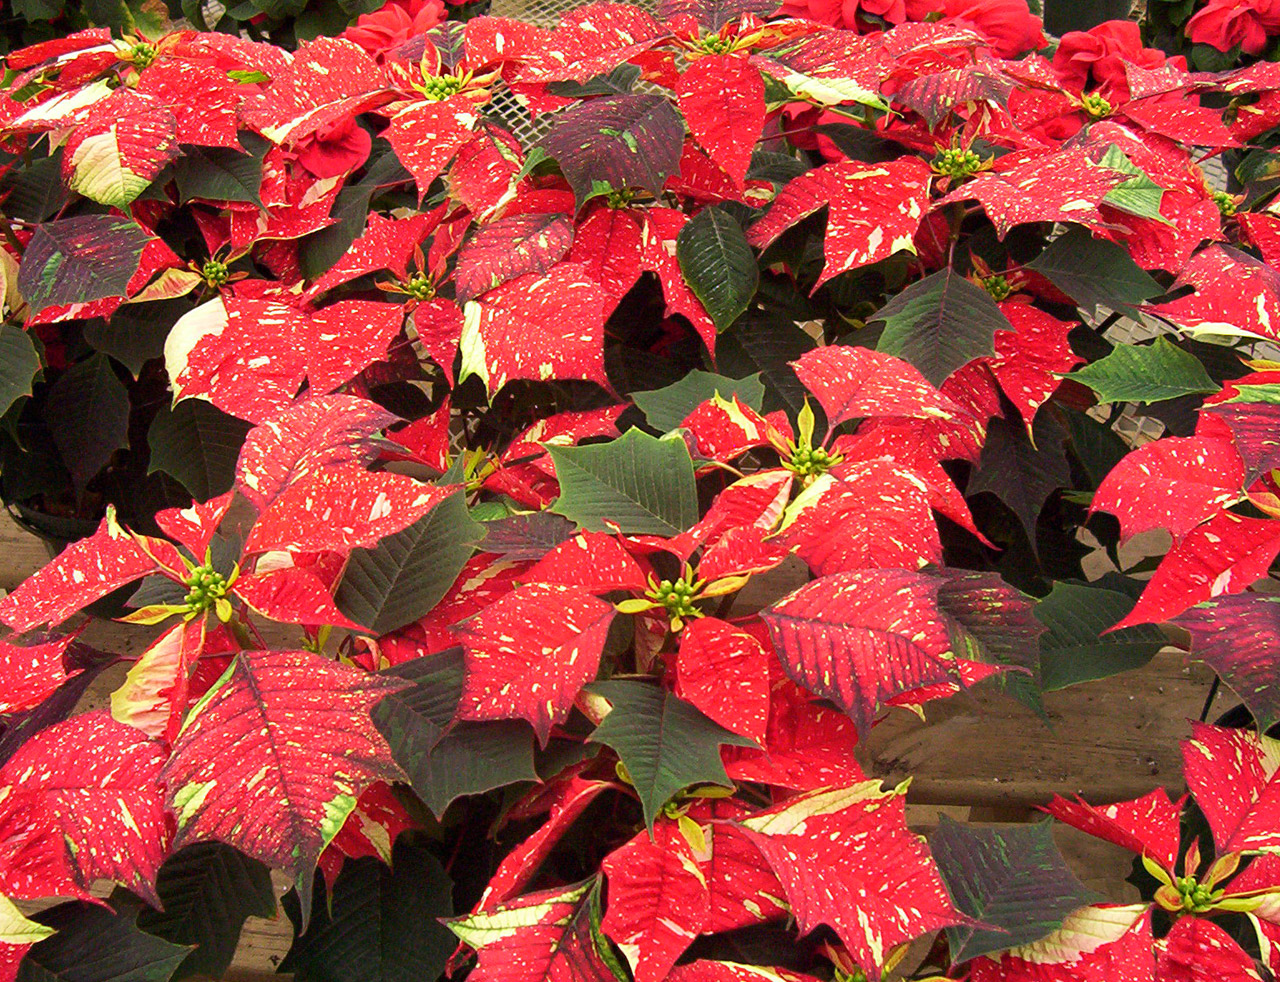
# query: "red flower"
[[850, 14], [394, 23], [1009, 25], [1227, 23], [336, 149], [1102, 52]]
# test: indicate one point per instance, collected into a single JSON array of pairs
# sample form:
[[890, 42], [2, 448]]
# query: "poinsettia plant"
[[496, 441]]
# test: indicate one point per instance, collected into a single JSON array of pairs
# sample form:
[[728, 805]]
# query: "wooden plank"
[[21, 553], [1109, 740]]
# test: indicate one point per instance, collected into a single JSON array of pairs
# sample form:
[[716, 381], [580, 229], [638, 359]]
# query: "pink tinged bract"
[[81, 573], [857, 383], [1236, 295], [1103, 942], [120, 148], [704, 970], [724, 672], [274, 756], [292, 595], [385, 243], [862, 637], [82, 802], [154, 695], [595, 561], [540, 937], [1148, 825], [314, 435], [722, 100], [29, 673], [1197, 477], [1039, 187], [510, 247], [1232, 774], [427, 135], [875, 210], [874, 516], [327, 80], [1223, 556], [657, 900], [1197, 950], [846, 859], [339, 509], [249, 356], [520, 865], [537, 326], [194, 526], [530, 653]]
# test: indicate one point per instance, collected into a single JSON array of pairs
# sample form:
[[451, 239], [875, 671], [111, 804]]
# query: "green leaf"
[[96, 944], [88, 414], [1139, 195], [941, 323], [644, 484], [446, 762], [1095, 273], [666, 408], [1019, 473], [1095, 445], [400, 579], [1145, 373], [220, 173], [1012, 878], [19, 365], [380, 923], [1074, 649], [664, 743], [197, 445], [35, 191], [136, 333], [718, 264], [764, 342], [208, 890]]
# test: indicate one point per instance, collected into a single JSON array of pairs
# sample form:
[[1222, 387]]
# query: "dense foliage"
[[504, 433]]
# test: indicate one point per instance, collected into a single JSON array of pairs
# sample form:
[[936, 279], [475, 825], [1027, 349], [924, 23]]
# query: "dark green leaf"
[[220, 173], [136, 333], [1074, 649], [319, 252], [35, 192], [1096, 445], [88, 414], [941, 323], [400, 579], [197, 445], [446, 762], [95, 944], [1012, 878], [379, 925], [75, 260], [764, 342], [208, 890], [1020, 474], [618, 142], [718, 264], [19, 364], [664, 743], [666, 408], [641, 483], [1145, 373], [1095, 273]]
